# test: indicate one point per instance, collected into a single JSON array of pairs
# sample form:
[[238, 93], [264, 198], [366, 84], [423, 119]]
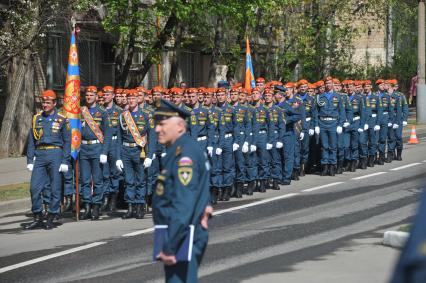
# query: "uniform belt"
[[385, 113], [356, 118], [328, 119], [46, 147], [90, 141], [130, 144], [228, 135], [374, 115], [201, 138], [262, 132], [114, 137], [308, 119]]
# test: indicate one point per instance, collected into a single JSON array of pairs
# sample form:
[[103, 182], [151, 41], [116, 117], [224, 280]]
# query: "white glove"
[[154, 156], [279, 145], [365, 127], [210, 151], [346, 124], [30, 167], [103, 159], [302, 135], [253, 148], [268, 146], [147, 163], [163, 155], [317, 130], [235, 147], [404, 123], [360, 130], [395, 126], [63, 168], [119, 165], [377, 128], [245, 148], [218, 151], [311, 132], [389, 124], [339, 130]]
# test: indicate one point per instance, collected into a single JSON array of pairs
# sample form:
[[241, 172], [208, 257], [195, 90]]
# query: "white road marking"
[[322, 187], [368, 176], [43, 258], [424, 161], [139, 232], [405, 166], [254, 203]]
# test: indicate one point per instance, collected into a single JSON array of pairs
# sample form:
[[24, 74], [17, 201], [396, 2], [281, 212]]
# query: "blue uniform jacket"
[[261, 122], [374, 107], [277, 124], [310, 111], [100, 116], [228, 123], [329, 104], [243, 122], [182, 191], [385, 101], [292, 115], [54, 130], [200, 124], [358, 108]]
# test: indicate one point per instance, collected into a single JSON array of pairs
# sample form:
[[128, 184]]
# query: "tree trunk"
[[175, 58], [215, 54], [15, 121]]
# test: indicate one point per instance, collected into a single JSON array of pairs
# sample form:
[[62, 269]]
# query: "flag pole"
[[77, 193]]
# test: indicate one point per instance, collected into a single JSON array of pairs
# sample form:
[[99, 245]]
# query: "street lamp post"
[[421, 87]]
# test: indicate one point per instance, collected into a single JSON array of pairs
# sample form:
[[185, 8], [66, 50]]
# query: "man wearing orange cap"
[[260, 83], [331, 116], [402, 121], [100, 98], [95, 142], [48, 154], [374, 113], [111, 175], [135, 153], [386, 122]]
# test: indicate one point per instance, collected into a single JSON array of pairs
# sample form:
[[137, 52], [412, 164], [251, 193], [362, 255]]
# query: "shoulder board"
[[62, 114]]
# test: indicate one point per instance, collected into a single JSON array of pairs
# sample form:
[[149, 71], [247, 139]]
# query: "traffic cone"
[[413, 137]]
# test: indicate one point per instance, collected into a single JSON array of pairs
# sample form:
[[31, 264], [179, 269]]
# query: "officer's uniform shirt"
[[100, 117], [385, 101], [182, 191], [144, 125], [215, 114], [292, 115], [346, 103], [404, 105], [311, 115], [375, 108], [261, 124], [329, 105], [152, 135], [200, 125], [243, 123], [228, 123], [52, 130], [358, 109], [297, 104], [277, 124]]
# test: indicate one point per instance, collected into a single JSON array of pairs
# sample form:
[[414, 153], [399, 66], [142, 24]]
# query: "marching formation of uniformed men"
[[254, 140]]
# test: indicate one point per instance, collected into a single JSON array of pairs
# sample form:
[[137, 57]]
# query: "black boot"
[[364, 163], [227, 193], [239, 189], [275, 185], [220, 193], [353, 165], [113, 202], [339, 167], [296, 175], [324, 171], [105, 202], [381, 160], [49, 222], [262, 188], [37, 222], [87, 212], [399, 154], [129, 212], [348, 165], [371, 161], [214, 194], [95, 212], [332, 170], [140, 211], [389, 158], [250, 187], [302, 169], [68, 203]]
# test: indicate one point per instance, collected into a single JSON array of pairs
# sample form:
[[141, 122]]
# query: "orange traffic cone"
[[413, 137]]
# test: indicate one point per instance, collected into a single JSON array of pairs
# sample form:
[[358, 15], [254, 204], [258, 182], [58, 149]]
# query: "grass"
[[16, 191]]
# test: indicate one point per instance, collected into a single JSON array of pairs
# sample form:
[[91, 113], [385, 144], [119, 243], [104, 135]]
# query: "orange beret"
[[379, 81], [118, 91], [157, 89], [132, 93], [108, 88], [191, 90], [260, 80], [235, 88], [140, 89], [91, 88], [220, 89], [100, 94], [257, 89], [319, 83], [289, 85], [125, 92], [336, 81], [176, 91], [366, 82], [328, 78], [269, 90], [349, 82], [302, 82], [237, 85], [312, 86], [48, 94]]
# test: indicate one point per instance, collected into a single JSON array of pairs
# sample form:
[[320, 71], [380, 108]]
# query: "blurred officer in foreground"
[[182, 196], [48, 155]]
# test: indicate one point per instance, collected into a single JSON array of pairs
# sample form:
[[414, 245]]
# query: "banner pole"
[[77, 194]]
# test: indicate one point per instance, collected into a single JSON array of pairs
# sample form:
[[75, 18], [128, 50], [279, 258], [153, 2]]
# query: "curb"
[[10, 206], [395, 239]]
